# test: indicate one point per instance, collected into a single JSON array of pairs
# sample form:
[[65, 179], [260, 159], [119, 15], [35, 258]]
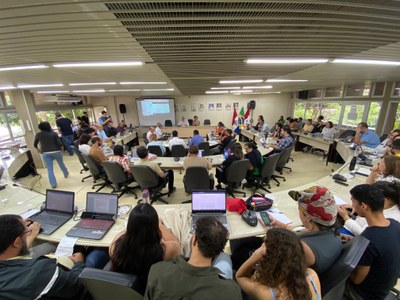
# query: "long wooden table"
[[126, 138], [187, 131], [316, 142]]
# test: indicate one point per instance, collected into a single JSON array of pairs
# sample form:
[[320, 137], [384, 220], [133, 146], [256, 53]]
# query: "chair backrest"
[[114, 171], [79, 154], [383, 137], [283, 158], [105, 285], [269, 165], [205, 146], [196, 178], [155, 149], [178, 151], [168, 123], [207, 122], [146, 141], [94, 167], [230, 144], [333, 281], [145, 176], [347, 133], [237, 171], [190, 121]]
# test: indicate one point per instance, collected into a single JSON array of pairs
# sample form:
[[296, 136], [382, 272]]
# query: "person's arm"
[[35, 144], [373, 176], [35, 228], [357, 137], [359, 274], [172, 247], [101, 156], [209, 165], [315, 278], [158, 170], [309, 255]]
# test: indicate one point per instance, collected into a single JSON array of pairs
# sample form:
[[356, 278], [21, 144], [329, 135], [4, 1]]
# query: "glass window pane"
[[299, 109], [9, 99], [16, 128], [379, 89], [312, 110], [396, 89], [315, 93], [333, 92], [358, 90], [331, 111], [373, 114], [397, 121], [353, 114], [4, 133]]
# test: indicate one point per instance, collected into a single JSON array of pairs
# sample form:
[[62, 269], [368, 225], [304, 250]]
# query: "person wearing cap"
[[318, 213]]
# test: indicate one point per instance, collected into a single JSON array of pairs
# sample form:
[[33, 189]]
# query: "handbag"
[[261, 203]]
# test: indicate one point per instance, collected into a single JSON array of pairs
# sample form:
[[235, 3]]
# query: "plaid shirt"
[[285, 142], [123, 161]]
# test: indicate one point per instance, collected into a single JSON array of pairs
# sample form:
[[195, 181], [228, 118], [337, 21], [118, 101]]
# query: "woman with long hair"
[[236, 154], [145, 242], [388, 169], [280, 270]]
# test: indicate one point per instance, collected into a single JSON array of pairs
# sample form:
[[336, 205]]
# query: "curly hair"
[[284, 264]]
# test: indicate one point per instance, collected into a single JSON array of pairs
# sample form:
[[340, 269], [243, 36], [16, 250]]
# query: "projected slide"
[[154, 110], [150, 108]]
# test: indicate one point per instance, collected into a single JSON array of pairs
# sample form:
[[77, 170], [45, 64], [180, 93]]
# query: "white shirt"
[[84, 148], [328, 133], [183, 123], [158, 132], [176, 141], [381, 149], [149, 133]]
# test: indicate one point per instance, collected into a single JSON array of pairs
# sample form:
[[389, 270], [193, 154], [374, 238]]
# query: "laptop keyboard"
[[49, 219], [95, 223], [221, 219]]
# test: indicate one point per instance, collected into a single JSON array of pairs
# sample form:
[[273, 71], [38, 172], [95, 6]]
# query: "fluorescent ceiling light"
[[7, 87], [92, 83], [258, 87], [287, 61], [241, 81], [125, 90], [52, 92], [90, 91], [23, 67], [242, 91], [99, 64], [28, 86], [227, 88], [366, 62], [142, 82], [217, 92], [156, 90], [286, 80]]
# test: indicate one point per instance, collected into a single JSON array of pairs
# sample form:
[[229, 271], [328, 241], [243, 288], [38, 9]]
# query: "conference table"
[[315, 141], [187, 131], [126, 138]]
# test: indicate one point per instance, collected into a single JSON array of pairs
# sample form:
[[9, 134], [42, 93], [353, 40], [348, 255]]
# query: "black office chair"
[[168, 123], [267, 170], [281, 165], [155, 149], [78, 153], [197, 178], [145, 140], [205, 146], [97, 172], [178, 151], [105, 285], [148, 179], [234, 176], [333, 281], [383, 137], [230, 144], [118, 178], [207, 122], [190, 121], [345, 134]]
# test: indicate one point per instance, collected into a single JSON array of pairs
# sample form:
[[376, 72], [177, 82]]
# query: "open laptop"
[[210, 203], [58, 209], [101, 209]]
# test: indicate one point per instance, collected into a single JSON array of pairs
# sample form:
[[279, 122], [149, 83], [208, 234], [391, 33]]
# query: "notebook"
[[101, 209], [210, 203], [58, 209]]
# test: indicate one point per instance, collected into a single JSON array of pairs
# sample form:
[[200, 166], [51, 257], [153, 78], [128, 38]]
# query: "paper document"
[[339, 201], [66, 246], [29, 213], [363, 171], [279, 216]]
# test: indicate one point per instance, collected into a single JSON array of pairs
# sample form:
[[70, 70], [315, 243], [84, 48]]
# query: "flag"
[[234, 116], [239, 120], [246, 115]]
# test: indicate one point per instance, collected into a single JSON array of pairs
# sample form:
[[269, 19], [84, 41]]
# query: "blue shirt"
[[102, 134], [285, 142], [196, 140], [370, 139]]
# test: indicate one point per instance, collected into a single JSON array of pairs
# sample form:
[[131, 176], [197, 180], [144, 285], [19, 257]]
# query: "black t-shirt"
[[255, 158], [383, 257], [65, 126]]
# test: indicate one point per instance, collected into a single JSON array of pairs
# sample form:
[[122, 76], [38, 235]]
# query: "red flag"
[[246, 115], [234, 116]]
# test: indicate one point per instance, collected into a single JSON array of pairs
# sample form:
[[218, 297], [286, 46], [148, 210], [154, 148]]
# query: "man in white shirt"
[[175, 140], [183, 122], [149, 133], [158, 131]]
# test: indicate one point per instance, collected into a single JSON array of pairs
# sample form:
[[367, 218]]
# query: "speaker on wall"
[[122, 108], [251, 104], [303, 95]]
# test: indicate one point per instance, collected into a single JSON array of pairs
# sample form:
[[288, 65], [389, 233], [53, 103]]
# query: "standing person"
[[104, 120], [280, 270], [50, 150], [64, 126], [85, 118]]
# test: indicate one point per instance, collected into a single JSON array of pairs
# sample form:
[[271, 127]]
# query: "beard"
[[24, 249]]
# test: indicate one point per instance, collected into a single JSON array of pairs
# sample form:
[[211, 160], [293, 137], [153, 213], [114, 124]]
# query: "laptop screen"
[[61, 201], [102, 203], [208, 202]]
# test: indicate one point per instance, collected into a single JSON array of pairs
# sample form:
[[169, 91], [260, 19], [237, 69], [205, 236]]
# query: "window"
[[397, 120], [378, 89], [4, 132], [10, 129], [333, 92], [8, 98], [358, 90], [353, 114], [373, 114], [396, 89], [312, 110], [317, 94], [331, 111], [13, 121], [299, 109]]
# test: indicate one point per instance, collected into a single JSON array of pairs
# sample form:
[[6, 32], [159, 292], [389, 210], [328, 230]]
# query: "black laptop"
[[58, 209], [101, 210]]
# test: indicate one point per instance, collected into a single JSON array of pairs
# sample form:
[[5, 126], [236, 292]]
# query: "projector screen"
[[152, 111]]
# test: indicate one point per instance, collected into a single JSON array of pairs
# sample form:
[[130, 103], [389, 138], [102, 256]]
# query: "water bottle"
[[146, 196], [226, 153]]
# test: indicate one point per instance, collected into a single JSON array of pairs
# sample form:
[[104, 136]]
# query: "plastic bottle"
[[146, 196], [226, 153]]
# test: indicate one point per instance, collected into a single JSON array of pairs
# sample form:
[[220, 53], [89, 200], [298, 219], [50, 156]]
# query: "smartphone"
[[265, 217]]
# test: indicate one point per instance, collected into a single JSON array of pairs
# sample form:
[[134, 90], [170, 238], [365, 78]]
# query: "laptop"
[[58, 209], [101, 209], [209, 203]]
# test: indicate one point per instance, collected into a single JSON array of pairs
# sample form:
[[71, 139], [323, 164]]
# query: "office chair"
[[205, 146], [197, 178], [148, 179], [383, 137], [155, 149], [345, 134], [234, 176], [105, 285], [267, 170], [168, 123], [333, 281], [178, 151], [190, 121], [97, 172], [118, 178], [207, 122], [281, 164], [230, 144], [145, 140], [78, 153]]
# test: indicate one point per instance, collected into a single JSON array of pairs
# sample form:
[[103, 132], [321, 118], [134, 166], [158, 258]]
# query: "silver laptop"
[[210, 203]]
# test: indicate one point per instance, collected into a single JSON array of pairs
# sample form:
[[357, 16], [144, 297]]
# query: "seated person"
[[394, 148], [276, 133], [101, 133], [286, 140], [183, 122], [255, 162], [308, 126], [196, 121], [194, 160], [391, 208], [196, 140], [378, 268], [278, 264], [176, 140], [236, 154], [318, 212], [168, 175], [300, 123], [121, 159], [293, 125], [145, 242], [194, 278], [388, 169], [328, 132], [154, 142], [23, 277], [83, 143], [149, 133], [220, 128], [366, 137], [226, 140], [112, 131], [90, 131], [319, 125], [383, 147], [158, 130], [121, 127], [95, 151]]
